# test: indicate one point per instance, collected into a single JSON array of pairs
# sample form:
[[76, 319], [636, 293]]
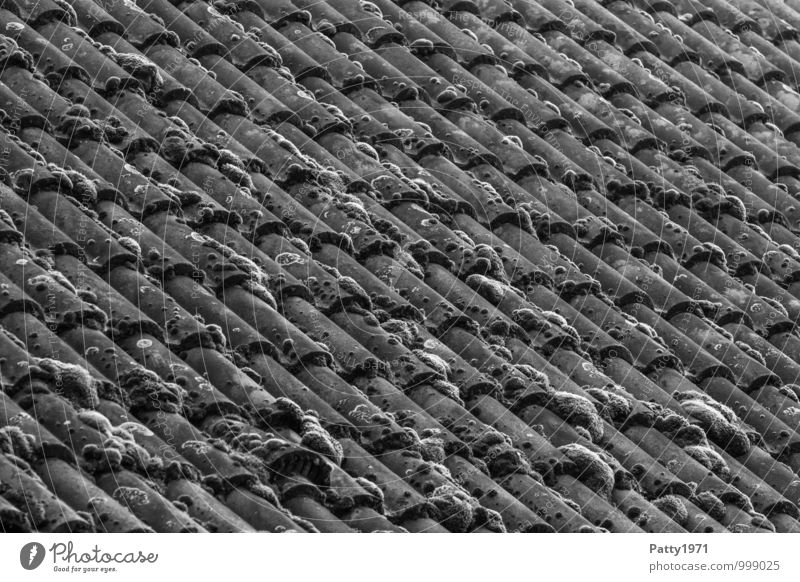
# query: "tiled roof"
[[474, 265]]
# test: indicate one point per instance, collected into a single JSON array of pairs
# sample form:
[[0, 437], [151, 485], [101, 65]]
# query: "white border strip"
[[387, 557]]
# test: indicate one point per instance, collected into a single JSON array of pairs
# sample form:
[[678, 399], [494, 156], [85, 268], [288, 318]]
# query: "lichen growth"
[[497, 451], [405, 330], [318, 439], [74, 382], [288, 258], [83, 189], [716, 254], [11, 54], [131, 496], [96, 420], [35, 508], [673, 507], [612, 407], [559, 321], [349, 285], [488, 262], [488, 519], [130, 245], [760, 521], [591, 468], [751, 352], [101, 459], [454, 507], [491, 290], [373, 489], [710, 459], [689, 435], [149, 392], [432, 448], [447, 389], [261, 292], [264, 492], [13, 441], [710, 504], [791, 391], [287, 413], [577, 411], [776, 305], [234, 170], [530, 319], [717, 420], [435, 362], [535, 376]]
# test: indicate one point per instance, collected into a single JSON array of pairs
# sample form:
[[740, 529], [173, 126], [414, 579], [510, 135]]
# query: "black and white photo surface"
[[398, 266]]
